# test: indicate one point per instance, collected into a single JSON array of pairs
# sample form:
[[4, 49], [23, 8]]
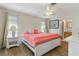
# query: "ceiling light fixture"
[[50, 9]]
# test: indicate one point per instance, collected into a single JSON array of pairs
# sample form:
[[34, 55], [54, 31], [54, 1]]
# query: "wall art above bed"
[[54, 24]]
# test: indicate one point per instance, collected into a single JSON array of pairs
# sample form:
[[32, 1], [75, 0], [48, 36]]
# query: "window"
[[12, 22], [43, 29]]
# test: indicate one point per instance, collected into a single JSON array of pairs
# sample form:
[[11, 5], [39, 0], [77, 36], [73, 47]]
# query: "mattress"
[[36, 39]]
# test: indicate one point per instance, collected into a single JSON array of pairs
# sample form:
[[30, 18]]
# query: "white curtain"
[[5, 32], [2, 26]]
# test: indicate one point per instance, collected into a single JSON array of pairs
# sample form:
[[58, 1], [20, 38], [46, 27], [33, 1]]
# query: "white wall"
[[28, 23], [75, 24]]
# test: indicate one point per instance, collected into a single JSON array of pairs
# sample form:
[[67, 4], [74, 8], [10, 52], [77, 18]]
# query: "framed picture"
[[54, 24]]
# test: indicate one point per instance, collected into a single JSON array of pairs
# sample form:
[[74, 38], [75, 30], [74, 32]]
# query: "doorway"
[[67, 28]]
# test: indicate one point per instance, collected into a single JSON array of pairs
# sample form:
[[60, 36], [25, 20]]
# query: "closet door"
[[2, 24]]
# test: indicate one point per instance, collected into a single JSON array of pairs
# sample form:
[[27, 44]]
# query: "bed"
[[41, 43]]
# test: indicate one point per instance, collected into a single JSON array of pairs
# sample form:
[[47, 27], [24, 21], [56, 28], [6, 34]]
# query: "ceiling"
[[38, 9]]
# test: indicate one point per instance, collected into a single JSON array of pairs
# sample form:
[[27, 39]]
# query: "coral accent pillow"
[[26, 33], [36, 31]]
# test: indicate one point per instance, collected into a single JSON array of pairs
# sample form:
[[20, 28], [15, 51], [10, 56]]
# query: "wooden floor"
[[22, 50]]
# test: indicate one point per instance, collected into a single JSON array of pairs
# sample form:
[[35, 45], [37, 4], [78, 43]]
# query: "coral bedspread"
[[37, 39]]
